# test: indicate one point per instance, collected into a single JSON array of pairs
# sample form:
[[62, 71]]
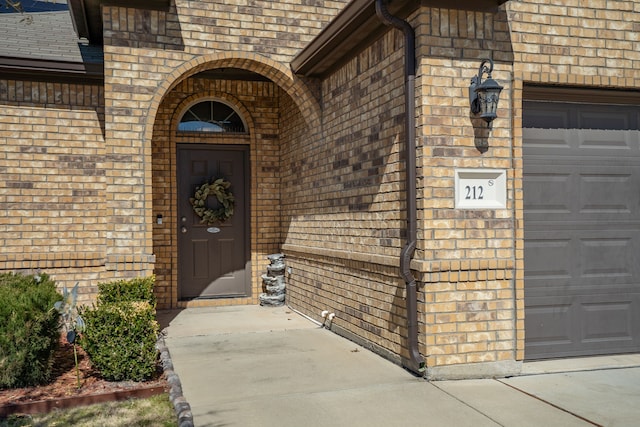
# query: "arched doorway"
[[275, 107], [213, 204]]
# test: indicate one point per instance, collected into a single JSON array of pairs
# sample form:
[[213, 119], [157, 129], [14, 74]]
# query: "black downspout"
[[415, 363]]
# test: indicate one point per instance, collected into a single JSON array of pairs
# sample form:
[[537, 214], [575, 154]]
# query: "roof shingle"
[[49, 36]]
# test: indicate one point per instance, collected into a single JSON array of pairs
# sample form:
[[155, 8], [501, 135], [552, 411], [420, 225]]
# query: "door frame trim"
[[582, 95]]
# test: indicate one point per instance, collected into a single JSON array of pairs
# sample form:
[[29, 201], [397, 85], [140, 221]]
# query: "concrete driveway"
[[256, 366]]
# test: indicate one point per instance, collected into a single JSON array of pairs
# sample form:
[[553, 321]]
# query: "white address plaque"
[[481, 188]]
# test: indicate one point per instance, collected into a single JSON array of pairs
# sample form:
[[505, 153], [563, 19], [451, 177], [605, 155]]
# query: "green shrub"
[[29, 329], [139, 289], [121, 330]]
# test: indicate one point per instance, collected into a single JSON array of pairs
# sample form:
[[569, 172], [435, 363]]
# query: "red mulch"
[[64, 383]]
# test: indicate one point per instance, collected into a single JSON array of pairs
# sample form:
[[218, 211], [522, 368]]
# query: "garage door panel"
[[581, 193], [549, 261], [572, 259], [543, 140], [602, 117], [581, 187], [606, 193], [578, 326], [587, 143], [607, 321], [557, 115], [548, 323], [545, 115], [607, 258], [605, 141], [546, 192]]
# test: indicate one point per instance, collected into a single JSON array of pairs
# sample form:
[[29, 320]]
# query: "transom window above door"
[[211, 116]]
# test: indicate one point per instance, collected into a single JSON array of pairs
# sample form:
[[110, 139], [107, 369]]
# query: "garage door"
[[582, 229]]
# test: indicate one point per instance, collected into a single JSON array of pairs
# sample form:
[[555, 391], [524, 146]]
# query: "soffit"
[[357, 25]]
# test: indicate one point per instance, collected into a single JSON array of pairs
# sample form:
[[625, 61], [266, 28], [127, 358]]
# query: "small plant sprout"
[[72, 322]]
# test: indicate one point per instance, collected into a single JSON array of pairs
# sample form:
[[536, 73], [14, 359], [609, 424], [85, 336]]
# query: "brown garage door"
[[582, 229]]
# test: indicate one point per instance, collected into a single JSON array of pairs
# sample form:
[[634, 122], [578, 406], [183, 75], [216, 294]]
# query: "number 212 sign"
[[480, 188]]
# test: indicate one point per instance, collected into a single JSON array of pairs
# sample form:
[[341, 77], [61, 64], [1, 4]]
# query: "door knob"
[[183, 229]]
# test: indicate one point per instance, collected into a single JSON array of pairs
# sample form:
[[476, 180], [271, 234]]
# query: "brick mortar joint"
[[347, 256], [421, 266], [473, 265], [51, 256]]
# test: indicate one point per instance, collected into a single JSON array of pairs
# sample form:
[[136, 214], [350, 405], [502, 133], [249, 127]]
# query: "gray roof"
[[49, 36]]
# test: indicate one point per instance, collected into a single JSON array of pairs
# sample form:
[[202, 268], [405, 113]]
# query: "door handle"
[[183, 229]]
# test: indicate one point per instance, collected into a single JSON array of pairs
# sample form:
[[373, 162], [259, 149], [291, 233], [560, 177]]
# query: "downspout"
[[415, 363]]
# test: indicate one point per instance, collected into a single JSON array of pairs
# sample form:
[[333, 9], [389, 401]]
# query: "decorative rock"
[[272, 301], [277, 289], [273, 281], [276, 260]]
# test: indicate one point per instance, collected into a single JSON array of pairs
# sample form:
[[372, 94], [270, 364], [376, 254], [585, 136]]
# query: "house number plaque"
[[480, 188]]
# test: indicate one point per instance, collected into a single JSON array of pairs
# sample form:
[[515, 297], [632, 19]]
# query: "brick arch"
[[277, 72]]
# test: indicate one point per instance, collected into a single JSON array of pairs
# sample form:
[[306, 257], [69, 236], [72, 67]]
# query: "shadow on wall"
[[150, 29], [355, 165], [343, 186]]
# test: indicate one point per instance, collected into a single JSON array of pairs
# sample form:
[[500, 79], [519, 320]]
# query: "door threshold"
[[216, 302], [575, 364]]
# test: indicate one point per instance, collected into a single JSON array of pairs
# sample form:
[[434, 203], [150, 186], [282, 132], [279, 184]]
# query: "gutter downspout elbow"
[[415, 363]]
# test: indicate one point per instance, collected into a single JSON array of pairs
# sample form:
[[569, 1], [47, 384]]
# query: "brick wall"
[[53, 181], [341, 202], [344, 188], [275, 29], [88, 150], [576, 43], [81, 157], [347, 225], [147, 55], [258, 104], [465, 257], [471, 262]]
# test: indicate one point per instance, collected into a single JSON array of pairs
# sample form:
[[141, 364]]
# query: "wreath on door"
[[219, 188]]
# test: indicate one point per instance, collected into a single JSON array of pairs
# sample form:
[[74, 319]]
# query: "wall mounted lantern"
[[484, 95]]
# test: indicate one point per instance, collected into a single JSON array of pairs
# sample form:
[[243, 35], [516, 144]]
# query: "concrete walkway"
[[255, 366]]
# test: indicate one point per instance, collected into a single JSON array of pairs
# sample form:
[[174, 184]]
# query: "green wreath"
[[220, 188]]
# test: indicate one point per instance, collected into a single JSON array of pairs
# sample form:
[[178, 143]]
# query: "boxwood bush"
[[121, 331], [139, 289], [29, 329]]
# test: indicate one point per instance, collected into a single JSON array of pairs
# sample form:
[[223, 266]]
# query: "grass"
[[155, 411]]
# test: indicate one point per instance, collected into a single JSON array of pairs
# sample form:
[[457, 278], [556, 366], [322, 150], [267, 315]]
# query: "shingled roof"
[[47, 45]]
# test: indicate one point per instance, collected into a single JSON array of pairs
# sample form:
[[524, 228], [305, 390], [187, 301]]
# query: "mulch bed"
[[63, 391]]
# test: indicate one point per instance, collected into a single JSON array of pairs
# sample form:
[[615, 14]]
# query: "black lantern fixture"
[[484, 95]]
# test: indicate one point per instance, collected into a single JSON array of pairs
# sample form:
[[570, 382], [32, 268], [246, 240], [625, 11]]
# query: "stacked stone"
[[273, 282]]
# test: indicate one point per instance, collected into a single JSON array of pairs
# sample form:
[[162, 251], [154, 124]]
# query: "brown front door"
[[213, 259]]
